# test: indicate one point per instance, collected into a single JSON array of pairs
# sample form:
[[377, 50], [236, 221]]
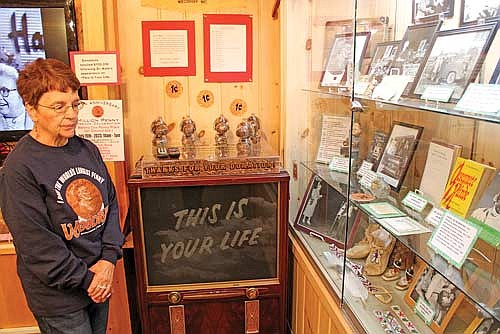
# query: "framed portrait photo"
[[413, 49], [474, 11], [429, 287], [382, 59], [323, 212], [398, 153], [340, 56], [455, 59], [425, 10]]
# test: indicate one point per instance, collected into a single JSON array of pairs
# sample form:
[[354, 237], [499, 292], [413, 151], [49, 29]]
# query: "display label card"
[[437, 93], [334, 130], [101, 122], [382, 210], [360, 87], [481, 99], [415, 201], [339, 164], [364, 168], [434, 217], [424, 310], [403, 226], [367, 179], [96, 68], [391, 87], [454, 238]]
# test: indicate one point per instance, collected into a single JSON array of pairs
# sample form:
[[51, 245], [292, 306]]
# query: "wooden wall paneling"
[[487, 151], [299, 300], [311, 307]]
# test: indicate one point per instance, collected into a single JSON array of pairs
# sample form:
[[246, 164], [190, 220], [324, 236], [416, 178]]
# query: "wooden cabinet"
[[211, 253]]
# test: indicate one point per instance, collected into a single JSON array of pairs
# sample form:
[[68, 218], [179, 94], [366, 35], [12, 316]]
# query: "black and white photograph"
[[340, 57], [323, 211], [382, 59], [413, 49], [455, 59], [488, 326], [488, 208], [475, 11], [398, 153], [432, 10], [495, 77]]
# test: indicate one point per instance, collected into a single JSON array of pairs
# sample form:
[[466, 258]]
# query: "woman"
[[59, 203]]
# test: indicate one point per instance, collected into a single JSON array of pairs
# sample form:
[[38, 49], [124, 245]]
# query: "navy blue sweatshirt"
[[60, 206]]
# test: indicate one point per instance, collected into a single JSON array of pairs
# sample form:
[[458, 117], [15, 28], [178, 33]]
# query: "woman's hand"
[[100, 287]]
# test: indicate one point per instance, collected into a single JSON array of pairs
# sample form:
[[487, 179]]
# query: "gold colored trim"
[[212, 285]]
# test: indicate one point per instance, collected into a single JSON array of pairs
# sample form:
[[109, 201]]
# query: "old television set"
[[30, 30]]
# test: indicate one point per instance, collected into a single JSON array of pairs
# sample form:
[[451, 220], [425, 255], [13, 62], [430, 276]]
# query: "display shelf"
[[417, 243], [336, 180], [412, 103]]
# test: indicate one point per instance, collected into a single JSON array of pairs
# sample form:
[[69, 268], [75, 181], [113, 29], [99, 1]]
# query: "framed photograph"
[[323, 212], [438, 293], [495, 78], [455, 59], [474, 11], [413, 49], [382, 59], [398, 153], [483, 326], [340, 56], [431, 10]]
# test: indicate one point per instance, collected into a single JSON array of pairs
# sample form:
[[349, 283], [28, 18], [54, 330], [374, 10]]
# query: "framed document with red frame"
[[228, 47], [168, 48]]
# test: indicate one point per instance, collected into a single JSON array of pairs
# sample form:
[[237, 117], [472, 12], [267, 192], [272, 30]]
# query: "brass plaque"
[[251, 316], [177, 319]]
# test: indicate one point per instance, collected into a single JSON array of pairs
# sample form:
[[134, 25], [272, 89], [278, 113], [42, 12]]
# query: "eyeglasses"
[[62, 109], [4, 91]]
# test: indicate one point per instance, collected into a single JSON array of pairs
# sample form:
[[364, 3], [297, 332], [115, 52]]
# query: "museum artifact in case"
[[401, 219]]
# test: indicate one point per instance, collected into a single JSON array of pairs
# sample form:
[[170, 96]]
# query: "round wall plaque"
[[174, 88], [238, 107], [205, 98]]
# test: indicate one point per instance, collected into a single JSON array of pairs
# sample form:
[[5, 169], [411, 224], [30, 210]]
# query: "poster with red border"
[[168, 48], [96, 67], [228, 47]]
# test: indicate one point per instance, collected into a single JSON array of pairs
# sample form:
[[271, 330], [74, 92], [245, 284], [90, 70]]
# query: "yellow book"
[[465, 186]]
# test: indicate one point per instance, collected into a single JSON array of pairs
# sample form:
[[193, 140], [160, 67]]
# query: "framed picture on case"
[[425, 11], [382, 59], [429, 287], [495, 77], [323, 212], [398, 153], [413, 49], [455, 59], [340, 56], [474, 11]]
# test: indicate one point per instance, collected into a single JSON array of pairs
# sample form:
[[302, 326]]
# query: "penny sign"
[[238, 107], [205, 98], [174, 88]]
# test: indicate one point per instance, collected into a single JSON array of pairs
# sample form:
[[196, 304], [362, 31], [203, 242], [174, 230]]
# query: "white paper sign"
[[403, 226], [481, 99], [391, 87], [228, 48], [424, 310], [367, 179], [339, 164], [334, 130], [454, 238], [101, 122], [364, 168], [360, 87], [434, 217], [437, 93], [169, 48], [97, 68], [415, 201]]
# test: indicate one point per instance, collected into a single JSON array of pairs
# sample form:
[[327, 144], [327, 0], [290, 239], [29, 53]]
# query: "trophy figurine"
[[160, 130], [221, 126], [255, 136], [244, 132], [188, 128]]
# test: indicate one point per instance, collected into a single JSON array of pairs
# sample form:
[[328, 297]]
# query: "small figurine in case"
[[221, 126], [256, 133], [160, 130], [244, 132], [188, 128]]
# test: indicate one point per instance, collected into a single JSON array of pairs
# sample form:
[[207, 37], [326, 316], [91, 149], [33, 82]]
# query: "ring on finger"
[[102, 286]]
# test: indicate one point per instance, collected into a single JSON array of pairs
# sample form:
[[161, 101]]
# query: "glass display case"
[[396, 185]]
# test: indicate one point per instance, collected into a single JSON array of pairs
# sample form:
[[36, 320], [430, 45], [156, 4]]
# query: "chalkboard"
[[218, 233]]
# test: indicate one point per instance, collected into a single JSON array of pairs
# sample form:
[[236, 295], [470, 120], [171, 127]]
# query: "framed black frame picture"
[[413, 49], [455, 59], [430, 11], [474, 11], [340, 55], [382, 59], [495, 77], [398, 153]]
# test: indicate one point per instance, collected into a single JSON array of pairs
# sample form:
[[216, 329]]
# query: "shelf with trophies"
[[210, 231], [398, 174]]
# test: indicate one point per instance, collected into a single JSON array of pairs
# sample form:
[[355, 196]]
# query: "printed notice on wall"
[[96, 68], [454, 238], [101, 121], [228, 48], [169, 48]]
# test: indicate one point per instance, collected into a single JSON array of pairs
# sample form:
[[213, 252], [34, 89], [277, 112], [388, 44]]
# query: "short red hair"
[[45, 75]]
